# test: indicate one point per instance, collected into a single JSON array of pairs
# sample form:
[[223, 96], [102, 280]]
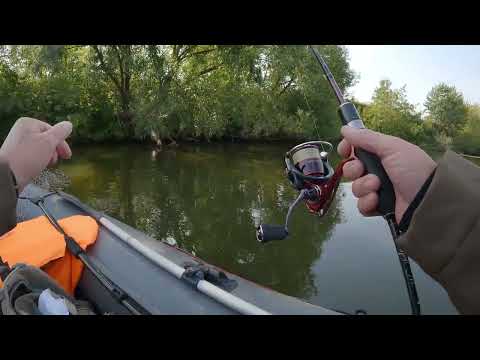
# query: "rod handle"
[[386, 194], [372, 163]]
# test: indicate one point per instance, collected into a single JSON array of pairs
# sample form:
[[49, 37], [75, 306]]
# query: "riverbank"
[[282, 144], [201, 141], [429, 147]]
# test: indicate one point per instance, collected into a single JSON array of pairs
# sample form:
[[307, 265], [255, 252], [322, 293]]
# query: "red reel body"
[[325, 191], [311, 167]]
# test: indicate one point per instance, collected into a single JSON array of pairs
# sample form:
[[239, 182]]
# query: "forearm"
[[8, 198], [444, 233]]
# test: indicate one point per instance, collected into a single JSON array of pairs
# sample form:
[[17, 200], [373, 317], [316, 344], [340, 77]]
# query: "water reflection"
[[208, 200]]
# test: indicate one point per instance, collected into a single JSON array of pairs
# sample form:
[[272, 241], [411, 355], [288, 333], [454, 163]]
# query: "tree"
[[446, 110], [117, 62], [172, 87], [391, 113], [172, 92], [468, 139]]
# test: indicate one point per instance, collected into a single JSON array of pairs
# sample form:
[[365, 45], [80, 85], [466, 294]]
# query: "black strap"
[[5, 269], [408, 215], [15, 182]]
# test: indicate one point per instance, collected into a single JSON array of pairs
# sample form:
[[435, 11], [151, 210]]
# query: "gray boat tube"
[[231, 301]]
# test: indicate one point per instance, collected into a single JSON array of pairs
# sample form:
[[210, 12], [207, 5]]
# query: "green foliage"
[[13, 98], [55, 85], [391, 113], [211, 92], [172, 92], [231, 92], [468, 140], [447, 110]]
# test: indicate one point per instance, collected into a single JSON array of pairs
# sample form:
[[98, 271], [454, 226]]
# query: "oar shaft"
[[231, 301], [205, 287], [158, 259]]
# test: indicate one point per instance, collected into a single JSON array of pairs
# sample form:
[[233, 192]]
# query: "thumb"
[[366, 139], [60, 131]]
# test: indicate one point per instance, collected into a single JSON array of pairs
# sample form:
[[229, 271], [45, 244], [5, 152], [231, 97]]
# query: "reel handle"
[[371, 162], [267, 233]]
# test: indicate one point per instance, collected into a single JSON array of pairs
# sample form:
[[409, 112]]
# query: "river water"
[[207, 199]]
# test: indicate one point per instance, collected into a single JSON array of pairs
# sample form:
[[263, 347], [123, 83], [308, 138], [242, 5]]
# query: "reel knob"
[[267, 233]]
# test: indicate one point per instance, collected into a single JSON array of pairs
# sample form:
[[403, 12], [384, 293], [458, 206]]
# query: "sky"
[[419, 67]]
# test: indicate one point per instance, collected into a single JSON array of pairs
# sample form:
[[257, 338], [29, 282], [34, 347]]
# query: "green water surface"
[[208, 199]]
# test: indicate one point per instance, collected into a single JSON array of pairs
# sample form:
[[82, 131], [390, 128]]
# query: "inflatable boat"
[[160, 277]]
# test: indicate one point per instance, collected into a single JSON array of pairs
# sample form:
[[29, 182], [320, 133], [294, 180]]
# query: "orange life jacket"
[[36, 242]]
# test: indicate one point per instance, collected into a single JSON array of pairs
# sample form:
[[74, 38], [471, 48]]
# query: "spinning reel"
[[310, 172]]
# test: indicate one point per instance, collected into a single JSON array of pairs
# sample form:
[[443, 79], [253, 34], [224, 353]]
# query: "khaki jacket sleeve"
[[8, 199], [444, 234]]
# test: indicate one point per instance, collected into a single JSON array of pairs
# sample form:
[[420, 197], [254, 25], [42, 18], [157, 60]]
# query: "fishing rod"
[[76, 250], [373, 165]]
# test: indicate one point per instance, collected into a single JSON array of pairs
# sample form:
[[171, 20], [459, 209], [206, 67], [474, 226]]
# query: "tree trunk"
[[126, 116]]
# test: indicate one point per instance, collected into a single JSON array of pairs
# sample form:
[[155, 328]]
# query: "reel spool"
[[310, 172], [306, 163]]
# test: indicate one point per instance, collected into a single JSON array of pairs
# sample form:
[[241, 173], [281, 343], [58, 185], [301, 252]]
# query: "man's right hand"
[[32, 145], [407, 166]]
